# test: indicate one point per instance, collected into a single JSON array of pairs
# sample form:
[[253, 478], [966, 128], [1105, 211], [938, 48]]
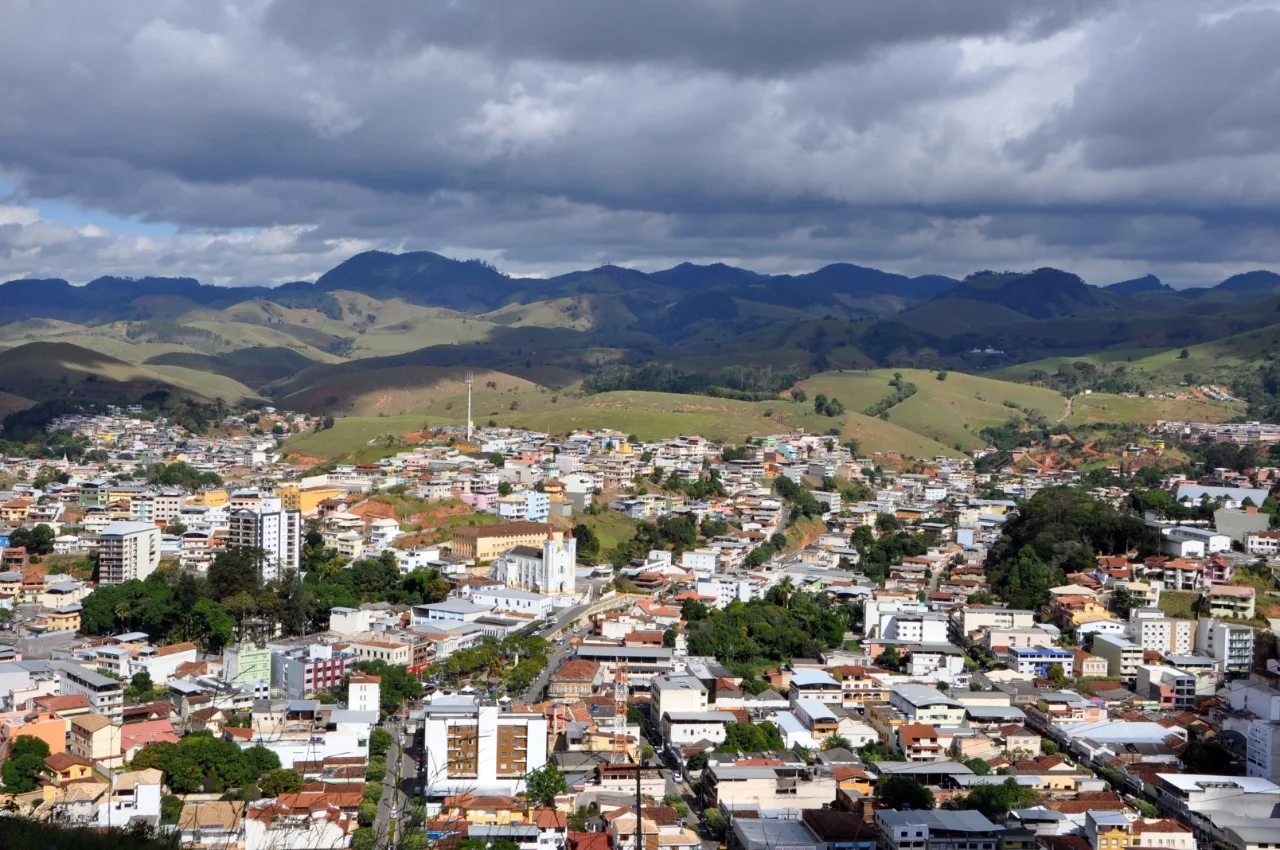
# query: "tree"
[[496, 459], [978, 766], [236, 569], [504, 488], [281, 781], [693, 611], [903, 792], [588, 544], [669, 638], [545, 784], [1122, 601], [379, 742], [1057, 675], [995, 801], [751, 738], [26, 759], [798, 395], [697, 761], [635, 715], [140, 686], [368, 813], [836, 741], [890, 659], [715, 822], [1049, 748]]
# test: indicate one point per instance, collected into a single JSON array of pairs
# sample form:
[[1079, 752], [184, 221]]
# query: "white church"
[[549, 571]]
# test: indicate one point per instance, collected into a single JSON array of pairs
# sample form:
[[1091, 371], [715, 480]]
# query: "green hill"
[[949, 412]]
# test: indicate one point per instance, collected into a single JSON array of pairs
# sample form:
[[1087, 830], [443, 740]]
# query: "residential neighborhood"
[[795, 643]]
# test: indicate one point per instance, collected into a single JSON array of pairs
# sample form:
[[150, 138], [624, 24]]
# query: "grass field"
[[610, 527], [1102, 407], [947, 412], [650, 416], [1179, 603]]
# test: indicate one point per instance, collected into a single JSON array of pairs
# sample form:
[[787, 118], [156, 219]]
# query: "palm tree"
[[785, 588]]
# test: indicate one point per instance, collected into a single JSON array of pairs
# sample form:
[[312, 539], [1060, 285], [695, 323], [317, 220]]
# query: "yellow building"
[[215, 498], [487, 542], [95, 738], [308, 500]]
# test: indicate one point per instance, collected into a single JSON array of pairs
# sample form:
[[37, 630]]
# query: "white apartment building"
[[105, 694], [913, 627], [266, 525], [1227, 643], [128, 550], [1266, 543], [700, 560], [1164, 634], [364, 692], [725, 590], [479, 747]]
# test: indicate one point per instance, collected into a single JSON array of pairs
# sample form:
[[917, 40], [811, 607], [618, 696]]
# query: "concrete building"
[[479, 747], [1036, 661], [1227, 643], [105, 694], [487, 542], [677, 694], [1123, 656], [1163, 634], [1231, 602], [301, 672], [1172, 688], [725, 589], [269, 526], [364, 692], [128, 550], [539, 605]]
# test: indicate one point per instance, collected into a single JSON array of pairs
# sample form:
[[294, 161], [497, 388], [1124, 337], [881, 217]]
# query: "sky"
[[259, 142]]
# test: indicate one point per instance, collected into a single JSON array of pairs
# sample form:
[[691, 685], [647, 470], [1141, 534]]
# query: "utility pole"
[[470, 381]]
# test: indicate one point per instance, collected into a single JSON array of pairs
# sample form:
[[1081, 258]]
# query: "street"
[[394, 800]]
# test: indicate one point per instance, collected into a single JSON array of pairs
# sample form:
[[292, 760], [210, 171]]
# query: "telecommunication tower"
[[470, 380]]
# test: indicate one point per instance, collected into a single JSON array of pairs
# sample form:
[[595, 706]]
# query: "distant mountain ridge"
[[430, 279]]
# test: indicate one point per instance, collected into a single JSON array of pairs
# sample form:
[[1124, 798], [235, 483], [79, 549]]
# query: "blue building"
[[1036, 660]]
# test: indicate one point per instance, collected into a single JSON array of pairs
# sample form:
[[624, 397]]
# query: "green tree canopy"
[[903, 792]]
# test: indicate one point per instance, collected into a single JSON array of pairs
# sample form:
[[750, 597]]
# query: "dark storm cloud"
[[1111, 138], [746, 37]]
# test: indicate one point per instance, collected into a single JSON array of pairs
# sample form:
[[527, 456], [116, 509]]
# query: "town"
[[497, 638]]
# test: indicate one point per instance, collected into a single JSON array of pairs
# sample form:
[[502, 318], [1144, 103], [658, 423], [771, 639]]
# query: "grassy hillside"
[[947, 412], [650, 416], [391, 391], [582, 312], [40, 371], [1103, 407]]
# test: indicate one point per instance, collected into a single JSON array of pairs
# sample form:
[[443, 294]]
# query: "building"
[[95, 738], [1036, 660], [937, 830], [480, 747], [1172, 688], [128, 550], [677, 694], [923, 704], [536, 605], [269, 526], [1230, 601], [301, 672], [105, 694], [1264, 543], [683, 728], [1227, 643], [724, 589], [549, 568], [486, 543], [525, 505], [1263, 750], [1123, 656], [1163, 634], [968, 621], [364, 692]]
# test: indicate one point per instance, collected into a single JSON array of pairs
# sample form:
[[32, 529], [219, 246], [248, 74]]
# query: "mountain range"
[[379, 330]]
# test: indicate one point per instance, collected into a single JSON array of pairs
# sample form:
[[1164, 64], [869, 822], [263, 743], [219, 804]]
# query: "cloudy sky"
[[258, 142]]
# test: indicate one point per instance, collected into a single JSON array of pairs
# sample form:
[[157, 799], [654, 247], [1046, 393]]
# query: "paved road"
[[559, 653], [394, 798]]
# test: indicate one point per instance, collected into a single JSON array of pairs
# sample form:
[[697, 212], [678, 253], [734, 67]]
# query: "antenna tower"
[[470, 380], [621, 682]]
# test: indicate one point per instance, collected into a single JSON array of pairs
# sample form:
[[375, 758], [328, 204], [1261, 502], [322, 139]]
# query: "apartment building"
[[1036, 660], [128, 550], [301, 672], [970, 621], [480, 747], [1123, 656], [1163, 634], [105, 694], [266, 524], [1236, 603], [1170, 687], [1230, 644], [1263, 753]]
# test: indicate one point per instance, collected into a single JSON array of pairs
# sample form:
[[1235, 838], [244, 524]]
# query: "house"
[[919, 742], [1231, 602], [62, 768], [95, 738], [213, 823], [573, 680]]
